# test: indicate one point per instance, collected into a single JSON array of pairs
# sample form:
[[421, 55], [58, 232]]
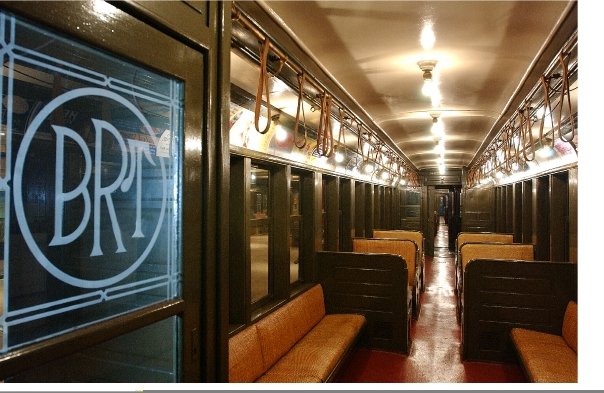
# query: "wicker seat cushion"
[[569, 326], [546, 357], [318, 353], [405, 248], [245, 356], [284, 327]]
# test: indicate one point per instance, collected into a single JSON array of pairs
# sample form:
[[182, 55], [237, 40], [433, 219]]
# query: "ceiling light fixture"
[[427, 66], [438, 128]]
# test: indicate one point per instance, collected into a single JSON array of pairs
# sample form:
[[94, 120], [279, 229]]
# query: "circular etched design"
[[18, 183]]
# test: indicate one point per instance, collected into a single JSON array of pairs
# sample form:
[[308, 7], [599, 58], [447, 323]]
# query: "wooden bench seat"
[[500, 295], [501, 251], [549, 357], [298, 342], [408, 250], [375, 286]]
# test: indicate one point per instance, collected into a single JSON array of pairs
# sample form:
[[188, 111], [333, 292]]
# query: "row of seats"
[[299, 342], [534, 348]]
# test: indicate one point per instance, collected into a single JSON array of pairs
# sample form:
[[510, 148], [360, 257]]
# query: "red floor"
[[435, 351]]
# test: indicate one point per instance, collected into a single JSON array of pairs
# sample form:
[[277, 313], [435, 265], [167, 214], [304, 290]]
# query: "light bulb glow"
[[280, 134], [546, 152], [439, 148], [427, 37], [428, 87]]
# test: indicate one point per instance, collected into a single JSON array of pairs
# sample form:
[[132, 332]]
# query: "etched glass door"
[[90, 202]]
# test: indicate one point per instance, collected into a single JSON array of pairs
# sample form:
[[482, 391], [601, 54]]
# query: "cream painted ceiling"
[[483, 49]]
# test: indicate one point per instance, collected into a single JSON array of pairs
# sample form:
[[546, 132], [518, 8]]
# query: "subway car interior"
[[298, 192]]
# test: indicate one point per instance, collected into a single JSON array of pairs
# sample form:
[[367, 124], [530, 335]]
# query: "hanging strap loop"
[[325, 133], [263, 85], [342, 134], [565, 93], [300, 143], [547, 109], [525, 127]]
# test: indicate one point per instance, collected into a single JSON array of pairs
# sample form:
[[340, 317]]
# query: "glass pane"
[[147, 355], [295, 227], [89, 176], [260, 229]]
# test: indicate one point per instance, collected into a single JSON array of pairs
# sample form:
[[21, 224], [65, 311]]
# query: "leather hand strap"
[[565, 93], [547, 110], [263, 85], [300, 143]]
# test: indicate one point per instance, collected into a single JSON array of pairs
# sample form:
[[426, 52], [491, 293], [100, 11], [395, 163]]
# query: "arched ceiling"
[[483, 50]]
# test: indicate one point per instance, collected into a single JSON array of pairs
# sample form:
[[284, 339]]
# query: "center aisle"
[[436, 338]]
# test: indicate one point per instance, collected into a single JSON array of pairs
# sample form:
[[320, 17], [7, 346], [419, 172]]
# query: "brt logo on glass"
[[97, 229]]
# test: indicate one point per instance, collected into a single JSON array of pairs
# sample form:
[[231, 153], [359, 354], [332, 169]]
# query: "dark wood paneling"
[[374, 285], [332, 230], [307, 228], [359, 210], [191, 19], [369, 209], [509, 209], [347, 214], [501, 213], [239, 256], [517, 213], [395, 221], [501, 295], [527, 211], [573, 184], [311, 206], [412, 209], [477, 210], [558, 197], [541, 218], [424, 216]]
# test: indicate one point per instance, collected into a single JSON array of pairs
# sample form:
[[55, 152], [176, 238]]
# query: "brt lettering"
[[136, 150]]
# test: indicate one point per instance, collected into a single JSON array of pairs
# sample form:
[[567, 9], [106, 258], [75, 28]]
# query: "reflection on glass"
[[259, 231], [295, 228], [147, 355]]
